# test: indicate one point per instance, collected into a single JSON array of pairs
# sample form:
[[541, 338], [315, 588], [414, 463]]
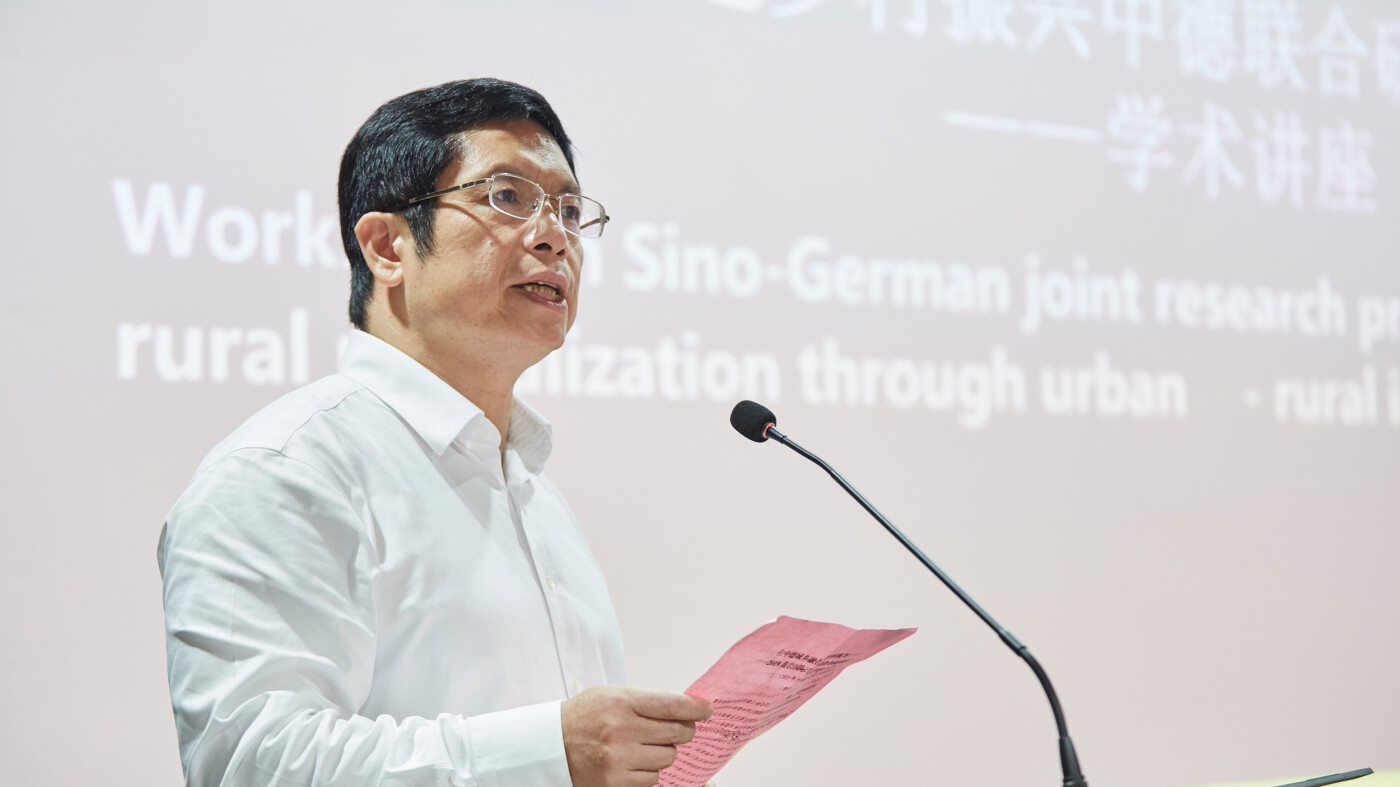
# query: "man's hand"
[[616, 736]]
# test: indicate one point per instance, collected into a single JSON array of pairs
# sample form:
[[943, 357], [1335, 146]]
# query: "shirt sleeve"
[[269, 574]]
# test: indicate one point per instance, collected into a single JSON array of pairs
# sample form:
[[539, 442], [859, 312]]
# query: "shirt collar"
[[435, 410]]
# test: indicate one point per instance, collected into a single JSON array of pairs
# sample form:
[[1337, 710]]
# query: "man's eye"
[[507, 197], [571, 212]]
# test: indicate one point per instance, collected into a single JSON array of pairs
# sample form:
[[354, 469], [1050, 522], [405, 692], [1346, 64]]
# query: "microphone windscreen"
[[752, 420]]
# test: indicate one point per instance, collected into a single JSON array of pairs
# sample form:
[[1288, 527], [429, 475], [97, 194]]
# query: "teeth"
[[540, 288]]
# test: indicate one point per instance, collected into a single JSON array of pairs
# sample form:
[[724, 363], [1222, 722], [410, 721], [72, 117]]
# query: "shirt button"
[[578, 688], [549, 581]]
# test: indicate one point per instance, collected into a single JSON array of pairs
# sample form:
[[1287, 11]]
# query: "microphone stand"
[[1069, 761]]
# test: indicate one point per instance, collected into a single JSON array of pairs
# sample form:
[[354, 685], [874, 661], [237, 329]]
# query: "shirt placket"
[[561, 618]]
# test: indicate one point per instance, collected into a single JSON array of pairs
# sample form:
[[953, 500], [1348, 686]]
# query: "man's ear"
[[381, 236]]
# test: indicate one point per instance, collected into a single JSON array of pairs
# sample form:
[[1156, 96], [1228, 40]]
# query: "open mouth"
[[547, 291]]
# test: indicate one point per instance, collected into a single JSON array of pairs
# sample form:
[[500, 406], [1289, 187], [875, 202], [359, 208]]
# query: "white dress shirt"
[[358, 593]]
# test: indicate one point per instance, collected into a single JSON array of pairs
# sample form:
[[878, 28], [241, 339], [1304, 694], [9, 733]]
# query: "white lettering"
[[1057, 296], [673, 370], [809, 282], [1327, 401], [265, 356], [815, 277], [246, 230], [221, 340], [646, 271], [316, 237], [273, 223], [1377, 320], [191, 366], [1103, 389], [692, 268], [129, 340], [973, 391], [232, 233], [139, 230], [1214, 306]]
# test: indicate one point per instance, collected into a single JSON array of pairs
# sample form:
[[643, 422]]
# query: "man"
[[370, 581]]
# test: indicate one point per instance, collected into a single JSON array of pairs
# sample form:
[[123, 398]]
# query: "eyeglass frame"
[[602, 221]]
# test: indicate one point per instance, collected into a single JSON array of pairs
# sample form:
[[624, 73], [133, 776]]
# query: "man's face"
[[495, 288]]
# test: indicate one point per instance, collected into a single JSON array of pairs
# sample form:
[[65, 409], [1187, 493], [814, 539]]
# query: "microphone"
[[756, 422], [753, 420]]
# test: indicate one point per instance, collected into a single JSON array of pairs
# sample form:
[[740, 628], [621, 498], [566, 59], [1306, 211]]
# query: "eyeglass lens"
[[518, 197]]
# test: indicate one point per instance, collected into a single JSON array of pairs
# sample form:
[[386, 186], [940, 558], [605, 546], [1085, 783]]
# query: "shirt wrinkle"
[[435, 410], [312, 416]]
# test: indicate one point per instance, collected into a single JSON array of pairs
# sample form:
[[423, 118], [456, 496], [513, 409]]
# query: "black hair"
[[406, 144]]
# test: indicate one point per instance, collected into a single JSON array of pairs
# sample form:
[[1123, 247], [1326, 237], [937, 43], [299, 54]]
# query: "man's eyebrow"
[[570, 187]]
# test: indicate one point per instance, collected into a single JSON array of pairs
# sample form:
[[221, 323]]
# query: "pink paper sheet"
[[761, 681]]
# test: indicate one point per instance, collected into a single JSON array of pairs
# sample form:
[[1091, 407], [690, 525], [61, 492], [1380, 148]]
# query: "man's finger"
[[667, 705], [640, 779], [654, 758], [685, 732], [665, 733]]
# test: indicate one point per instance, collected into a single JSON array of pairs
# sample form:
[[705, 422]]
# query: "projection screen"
[[1099, 301]]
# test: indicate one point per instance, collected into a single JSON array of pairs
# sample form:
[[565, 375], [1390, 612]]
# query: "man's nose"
[[547, 232]]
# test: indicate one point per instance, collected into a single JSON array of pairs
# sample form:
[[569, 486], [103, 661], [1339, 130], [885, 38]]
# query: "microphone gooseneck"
[[757, 423]]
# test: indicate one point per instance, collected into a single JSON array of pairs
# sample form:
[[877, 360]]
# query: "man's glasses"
[[522, 199]]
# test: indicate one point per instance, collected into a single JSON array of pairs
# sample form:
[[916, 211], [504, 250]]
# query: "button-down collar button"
[[550, 582]]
